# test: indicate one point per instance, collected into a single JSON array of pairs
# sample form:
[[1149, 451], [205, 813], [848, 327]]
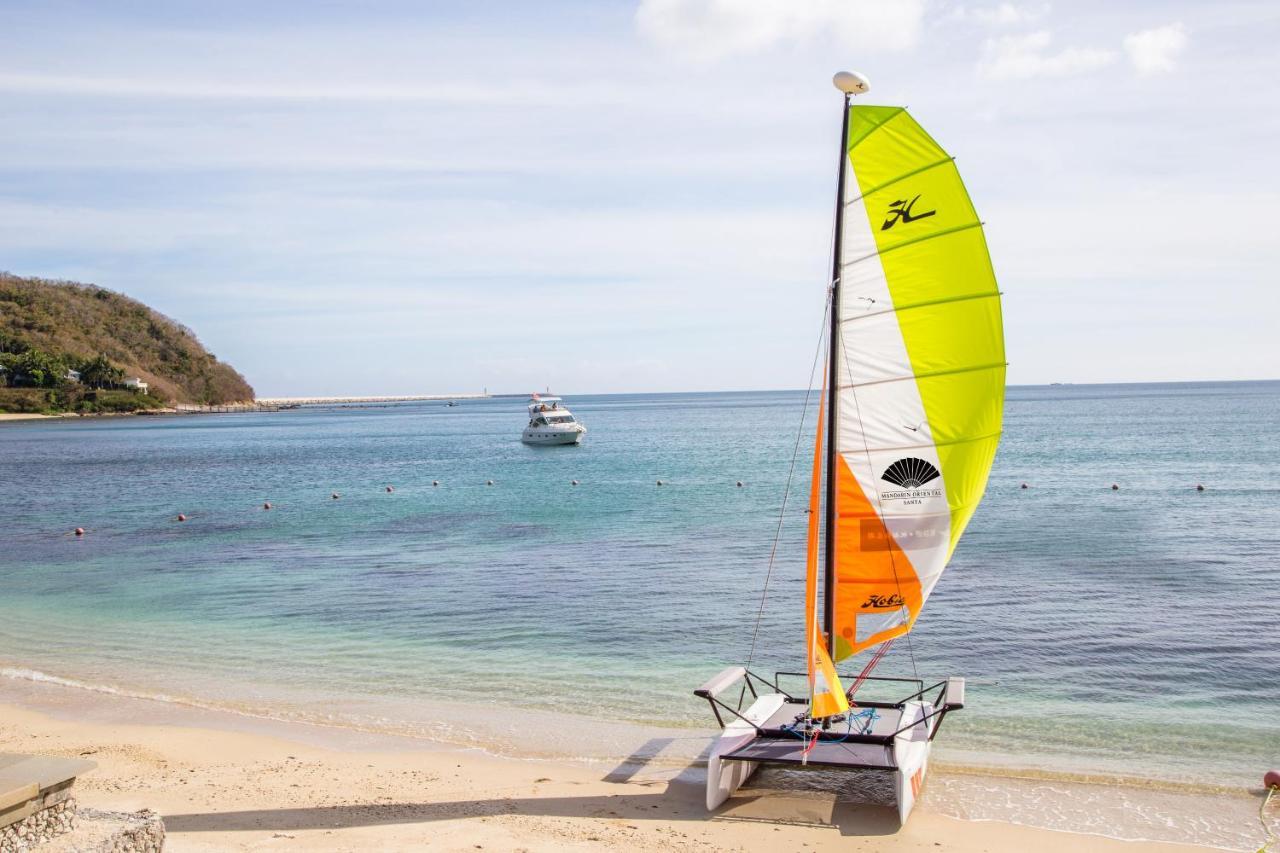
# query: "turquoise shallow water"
[[1128, 632]]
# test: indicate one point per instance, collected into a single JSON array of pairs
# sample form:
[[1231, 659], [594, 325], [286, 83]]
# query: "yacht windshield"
[[559, 419]]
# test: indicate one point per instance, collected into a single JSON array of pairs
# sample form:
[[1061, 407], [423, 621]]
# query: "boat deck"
[[846, 754], [872, 750]]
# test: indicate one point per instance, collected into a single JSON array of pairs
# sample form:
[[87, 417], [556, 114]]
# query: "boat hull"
[[547, 436], [911, 753], [907, 759], [724, 778]]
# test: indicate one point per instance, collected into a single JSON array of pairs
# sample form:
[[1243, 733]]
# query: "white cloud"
[[1156, 51], [1005, 14], [1025, 56], [1008, 14], [711, 29]]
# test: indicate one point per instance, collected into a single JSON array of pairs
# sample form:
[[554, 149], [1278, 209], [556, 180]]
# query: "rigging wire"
[[866, 670], [795, 452], [786, 493]]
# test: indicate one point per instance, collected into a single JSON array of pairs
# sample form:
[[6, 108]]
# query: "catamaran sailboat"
[[907, 432], [551, 422]]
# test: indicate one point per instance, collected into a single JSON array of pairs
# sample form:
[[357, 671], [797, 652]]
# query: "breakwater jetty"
[[320, 401]]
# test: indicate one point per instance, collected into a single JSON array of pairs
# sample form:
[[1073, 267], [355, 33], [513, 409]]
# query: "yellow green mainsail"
[[919, 370]]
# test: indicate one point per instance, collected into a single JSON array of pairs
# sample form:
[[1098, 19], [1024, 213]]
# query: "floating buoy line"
[[266, 505]]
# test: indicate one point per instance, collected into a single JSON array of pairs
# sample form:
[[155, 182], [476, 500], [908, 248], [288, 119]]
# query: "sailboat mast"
[[833, 396]]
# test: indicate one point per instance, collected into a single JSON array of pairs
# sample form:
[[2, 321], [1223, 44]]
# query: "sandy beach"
[[224, 782]]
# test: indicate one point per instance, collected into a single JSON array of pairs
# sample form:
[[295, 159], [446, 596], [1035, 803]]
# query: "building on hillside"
[[72, 376], [136, 384]]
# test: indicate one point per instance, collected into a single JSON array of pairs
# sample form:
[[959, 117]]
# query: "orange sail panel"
[[826, 695], [876, 585]]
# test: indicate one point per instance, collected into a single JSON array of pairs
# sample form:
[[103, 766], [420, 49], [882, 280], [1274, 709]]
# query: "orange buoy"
[[1272, 779], [181, 517], [79, 531]]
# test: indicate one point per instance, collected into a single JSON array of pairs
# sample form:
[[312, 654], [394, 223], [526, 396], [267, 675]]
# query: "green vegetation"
[[49, 329], [42, 401]]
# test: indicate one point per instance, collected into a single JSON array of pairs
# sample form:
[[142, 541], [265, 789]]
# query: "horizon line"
[[481, 395]]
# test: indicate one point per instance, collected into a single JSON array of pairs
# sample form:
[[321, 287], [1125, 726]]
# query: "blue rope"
[[867, 718]]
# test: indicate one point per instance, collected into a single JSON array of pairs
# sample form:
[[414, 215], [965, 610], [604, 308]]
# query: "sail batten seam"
[[881, 252], [903, 177], [955, 370], [954, 441], [872, 132], [991, 294]]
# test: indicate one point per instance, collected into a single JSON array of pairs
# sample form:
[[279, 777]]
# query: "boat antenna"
[[850, 84]]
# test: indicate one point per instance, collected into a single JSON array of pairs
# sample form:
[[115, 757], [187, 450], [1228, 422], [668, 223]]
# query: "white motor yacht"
[[551, 422]]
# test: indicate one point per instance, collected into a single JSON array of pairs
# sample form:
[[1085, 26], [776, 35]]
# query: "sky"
[[403, 198]]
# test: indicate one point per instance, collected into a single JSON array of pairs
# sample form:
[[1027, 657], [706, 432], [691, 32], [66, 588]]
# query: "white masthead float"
[[907, 432]]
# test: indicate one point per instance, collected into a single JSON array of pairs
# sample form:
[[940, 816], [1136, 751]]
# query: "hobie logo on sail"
[[910, 473], [878, 601], [902, 211]]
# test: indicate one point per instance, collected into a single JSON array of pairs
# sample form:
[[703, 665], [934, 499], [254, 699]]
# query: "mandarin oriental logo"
[[910, 473]]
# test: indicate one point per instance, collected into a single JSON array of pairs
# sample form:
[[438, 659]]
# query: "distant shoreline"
[[261, 404], [31, 416], [270, 404]]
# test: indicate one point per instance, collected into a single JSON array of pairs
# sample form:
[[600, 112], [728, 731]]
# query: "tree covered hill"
[[50, 327]]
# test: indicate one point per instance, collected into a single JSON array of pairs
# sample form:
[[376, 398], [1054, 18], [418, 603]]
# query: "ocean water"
[[1129, 633]]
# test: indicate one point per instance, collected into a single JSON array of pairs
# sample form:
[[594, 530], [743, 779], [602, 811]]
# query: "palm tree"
[[100, 373]]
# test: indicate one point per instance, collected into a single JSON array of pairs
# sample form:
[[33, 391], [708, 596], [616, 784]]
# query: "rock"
[[111, 832]]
